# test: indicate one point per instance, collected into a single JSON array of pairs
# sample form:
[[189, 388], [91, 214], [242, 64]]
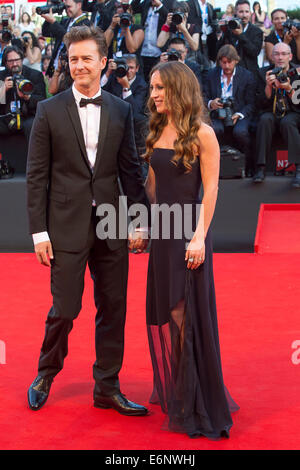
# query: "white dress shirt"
[[90, 122]]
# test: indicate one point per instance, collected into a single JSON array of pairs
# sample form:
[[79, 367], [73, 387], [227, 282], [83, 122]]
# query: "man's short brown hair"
[[229, 52], [84, 33]]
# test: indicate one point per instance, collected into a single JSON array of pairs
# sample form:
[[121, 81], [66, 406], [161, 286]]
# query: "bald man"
[[280, 110]]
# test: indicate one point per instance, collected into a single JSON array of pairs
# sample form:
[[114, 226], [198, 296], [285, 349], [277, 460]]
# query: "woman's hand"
[[195, 253]]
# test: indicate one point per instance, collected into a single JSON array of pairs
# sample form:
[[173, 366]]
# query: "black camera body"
[[227, 111], [173, 55], [235, 23], [6, 34], [56, 5], [122, 68], [282, 76], [288, 24]]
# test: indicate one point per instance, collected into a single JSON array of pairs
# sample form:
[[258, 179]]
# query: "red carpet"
[[258, 308]]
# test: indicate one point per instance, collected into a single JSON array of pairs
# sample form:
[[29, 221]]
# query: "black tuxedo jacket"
[[263, 104], [28, 108], [57, 30], [137, 100], [142, 7], [243, 89], [248, 46], [60, 184]]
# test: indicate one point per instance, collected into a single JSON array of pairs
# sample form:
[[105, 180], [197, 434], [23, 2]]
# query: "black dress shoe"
[[259, 176], [296, 179], [38, 392], [120, 403]]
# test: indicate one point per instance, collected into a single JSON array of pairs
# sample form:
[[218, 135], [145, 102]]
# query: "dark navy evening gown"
[[188, 381]]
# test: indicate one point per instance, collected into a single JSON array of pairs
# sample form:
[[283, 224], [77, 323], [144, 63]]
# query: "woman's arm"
[[210, 168], [193, 41], [150, 186], [33, 55], [135, 40]]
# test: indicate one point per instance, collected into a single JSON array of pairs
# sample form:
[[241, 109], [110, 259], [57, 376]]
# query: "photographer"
[[101, 11], [290, 36], [177, 26], [244, 36], [32, 52], [177, 50], [19, 98], [122, 79], [153, 15], [279, 111], [203, 14], [54, 29], [123, 36], [61, 79], [229, 92]]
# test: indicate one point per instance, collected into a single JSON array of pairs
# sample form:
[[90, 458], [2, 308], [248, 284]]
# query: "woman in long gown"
[[183, 152]]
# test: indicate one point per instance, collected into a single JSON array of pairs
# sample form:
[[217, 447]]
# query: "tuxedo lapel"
[[74, 117], [104, 121]]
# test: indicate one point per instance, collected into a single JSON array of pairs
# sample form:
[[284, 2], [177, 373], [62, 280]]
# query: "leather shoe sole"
[[120, 403]]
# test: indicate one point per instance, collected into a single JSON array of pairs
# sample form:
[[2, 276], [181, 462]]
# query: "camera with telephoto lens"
[[227, 111], [122, 68], [177, 17], [288, 24], [125, 17], [22, 84], [6, 34], [173, 55], [56, 5]]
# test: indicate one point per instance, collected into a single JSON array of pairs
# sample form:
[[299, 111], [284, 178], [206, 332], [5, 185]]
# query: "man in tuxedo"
[[81, 144], [203, 13], [229, 80], [12, 99], [153, 16], [246, 37], [279, 106], [54, 29]]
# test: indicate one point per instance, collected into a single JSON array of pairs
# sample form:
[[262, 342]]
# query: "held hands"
[[272, 81], [238, 30], [195, 253], [44, 253], [49, 17], [138, 241], [8, 82]]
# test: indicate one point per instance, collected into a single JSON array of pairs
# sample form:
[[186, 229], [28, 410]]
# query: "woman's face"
[[25, 18], [278, 18], [157, 93]]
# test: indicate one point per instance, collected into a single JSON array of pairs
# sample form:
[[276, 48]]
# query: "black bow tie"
[[84, 101]]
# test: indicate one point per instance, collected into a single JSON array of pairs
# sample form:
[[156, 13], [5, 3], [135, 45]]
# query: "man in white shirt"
[[81, 143]]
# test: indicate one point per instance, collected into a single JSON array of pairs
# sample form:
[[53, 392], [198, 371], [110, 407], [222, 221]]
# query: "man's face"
[[281, 55], [277, 19], [73, 9], [227, 65], [14, 62], [85, 64], [132, 69], [243, 12], [181, 49]]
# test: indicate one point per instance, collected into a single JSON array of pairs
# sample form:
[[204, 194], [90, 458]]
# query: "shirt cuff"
[[208, 105], [40, 237], [241, 115], [126, 94]]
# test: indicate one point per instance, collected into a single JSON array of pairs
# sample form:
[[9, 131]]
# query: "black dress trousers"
[[109, 271]]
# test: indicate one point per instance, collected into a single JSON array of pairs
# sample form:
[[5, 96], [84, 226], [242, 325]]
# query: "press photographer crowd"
[[246, 61]]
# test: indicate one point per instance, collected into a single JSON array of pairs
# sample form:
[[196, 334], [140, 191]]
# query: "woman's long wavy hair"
[[186, 111]]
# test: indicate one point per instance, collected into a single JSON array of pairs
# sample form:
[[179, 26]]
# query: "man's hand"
[[238, 30], [123, 81], [22, 96], [111, 67], [43, 252], [215, 104], [235, 118], [49, 17], [8, 82], [163, 57], [284, 86], [270, 78], [138, 241]]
